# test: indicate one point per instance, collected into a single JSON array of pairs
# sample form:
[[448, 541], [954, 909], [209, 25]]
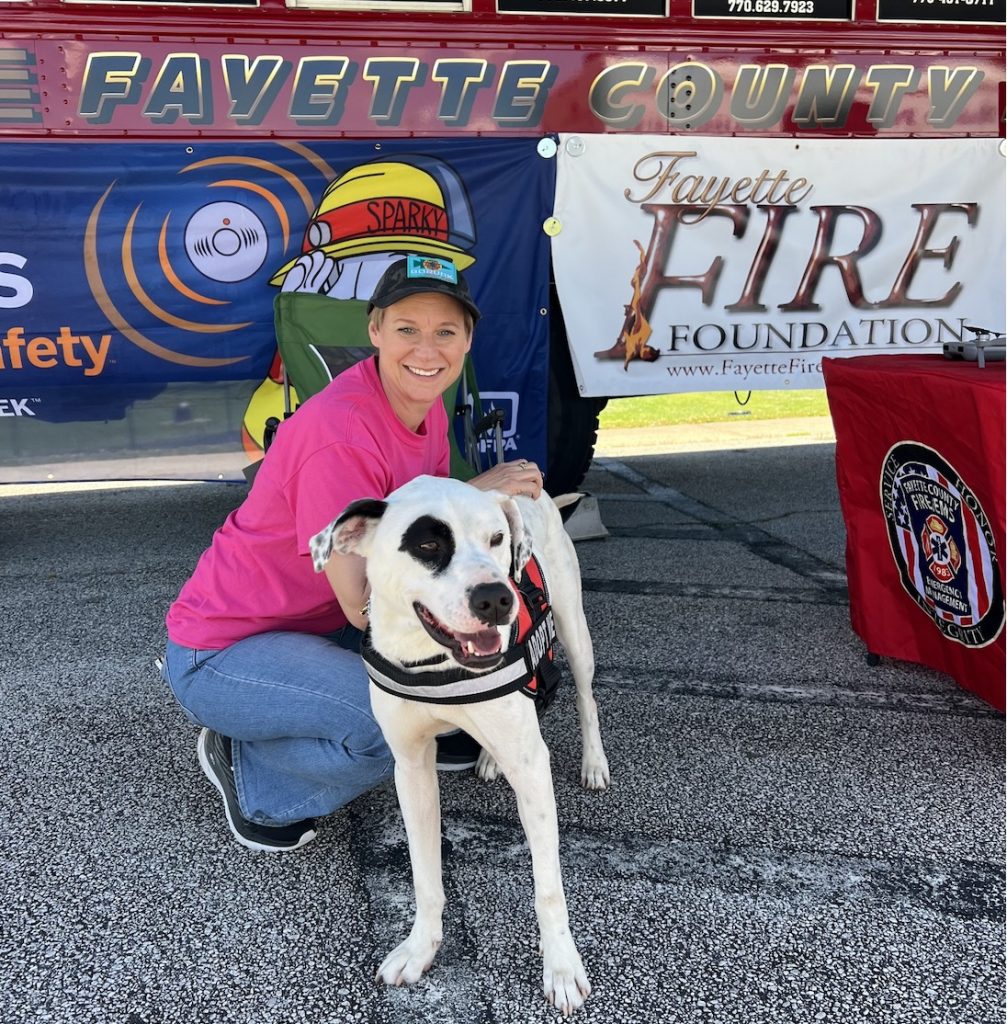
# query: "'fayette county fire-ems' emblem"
[[943, 544]]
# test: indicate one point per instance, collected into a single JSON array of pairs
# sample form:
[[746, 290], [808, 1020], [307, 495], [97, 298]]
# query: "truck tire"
[[572, 420]]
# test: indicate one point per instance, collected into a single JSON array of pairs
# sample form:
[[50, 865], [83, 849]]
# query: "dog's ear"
[[520, 542], [349, 533]]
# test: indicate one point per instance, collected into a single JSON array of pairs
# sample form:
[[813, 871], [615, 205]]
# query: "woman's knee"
[[177, 667], [366, 743], [367, 765], [365, 746]]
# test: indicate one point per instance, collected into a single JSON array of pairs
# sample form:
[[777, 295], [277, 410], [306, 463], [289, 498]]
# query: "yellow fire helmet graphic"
[[385, 207]]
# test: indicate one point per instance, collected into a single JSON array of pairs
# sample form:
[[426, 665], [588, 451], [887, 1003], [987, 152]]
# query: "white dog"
[[439, 556]]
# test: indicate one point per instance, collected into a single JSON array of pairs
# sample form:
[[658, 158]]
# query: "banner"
[[703, 264], [137, 284]]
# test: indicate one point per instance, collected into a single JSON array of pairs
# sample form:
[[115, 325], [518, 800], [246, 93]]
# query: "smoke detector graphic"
[[226, 241]]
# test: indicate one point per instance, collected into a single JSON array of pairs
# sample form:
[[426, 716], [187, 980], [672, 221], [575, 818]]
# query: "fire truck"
[[647, 196]]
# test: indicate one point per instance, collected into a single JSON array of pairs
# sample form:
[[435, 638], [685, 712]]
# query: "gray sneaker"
[[214, 752]]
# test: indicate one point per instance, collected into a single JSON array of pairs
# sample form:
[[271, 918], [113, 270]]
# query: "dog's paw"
[[594, 773], [564, 979], [486, 768], [408, 961]]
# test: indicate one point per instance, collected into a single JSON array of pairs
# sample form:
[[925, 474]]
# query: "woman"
[[261, 651]]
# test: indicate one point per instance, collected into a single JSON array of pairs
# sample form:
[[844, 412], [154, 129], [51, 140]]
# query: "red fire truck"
[[652, 196]]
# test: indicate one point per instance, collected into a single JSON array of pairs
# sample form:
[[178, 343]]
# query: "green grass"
[[711, 407]]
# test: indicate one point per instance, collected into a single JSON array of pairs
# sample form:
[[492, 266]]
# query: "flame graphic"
[[636, 331]]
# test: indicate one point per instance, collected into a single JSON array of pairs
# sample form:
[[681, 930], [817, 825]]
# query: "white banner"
[[719, 264]]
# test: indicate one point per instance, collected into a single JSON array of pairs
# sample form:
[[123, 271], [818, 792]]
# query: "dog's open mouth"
[[482, 649]]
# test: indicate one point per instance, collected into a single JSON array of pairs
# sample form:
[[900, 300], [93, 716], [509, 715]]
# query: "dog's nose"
[[491, 603]]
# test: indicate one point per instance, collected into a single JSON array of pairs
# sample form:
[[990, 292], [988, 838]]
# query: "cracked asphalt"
[[791, 836]]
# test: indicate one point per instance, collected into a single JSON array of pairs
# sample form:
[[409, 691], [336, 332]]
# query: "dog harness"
[[528, 664]]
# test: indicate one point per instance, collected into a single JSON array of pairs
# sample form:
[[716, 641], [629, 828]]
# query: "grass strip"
[[712, 407]]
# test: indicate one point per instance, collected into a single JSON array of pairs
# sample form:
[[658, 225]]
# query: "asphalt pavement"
[[791, 835]]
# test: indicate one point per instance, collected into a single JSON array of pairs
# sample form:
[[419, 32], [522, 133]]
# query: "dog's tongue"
[[486, 641]]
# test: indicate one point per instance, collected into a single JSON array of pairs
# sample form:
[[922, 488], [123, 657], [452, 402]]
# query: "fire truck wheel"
[[573, 420]]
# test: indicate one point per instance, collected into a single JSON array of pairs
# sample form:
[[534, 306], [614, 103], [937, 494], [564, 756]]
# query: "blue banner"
[[137, 283]]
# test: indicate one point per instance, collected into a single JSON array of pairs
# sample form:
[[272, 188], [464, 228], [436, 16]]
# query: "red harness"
[[535, 629]]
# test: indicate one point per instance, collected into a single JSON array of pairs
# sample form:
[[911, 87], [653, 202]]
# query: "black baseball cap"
[[415, 275]]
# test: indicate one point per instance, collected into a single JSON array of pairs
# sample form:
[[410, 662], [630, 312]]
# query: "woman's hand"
[[511, 478]]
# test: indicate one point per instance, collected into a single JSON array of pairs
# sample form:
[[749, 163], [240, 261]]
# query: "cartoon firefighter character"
[[367, 217]]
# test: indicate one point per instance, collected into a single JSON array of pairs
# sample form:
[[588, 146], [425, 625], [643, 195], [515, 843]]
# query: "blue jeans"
[[298, 711]]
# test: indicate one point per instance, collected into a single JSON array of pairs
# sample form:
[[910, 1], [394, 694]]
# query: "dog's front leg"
[[512, 737], [564, 979], [413, 744]]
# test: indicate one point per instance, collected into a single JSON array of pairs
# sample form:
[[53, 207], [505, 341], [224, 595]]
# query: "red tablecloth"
[[920, 461]]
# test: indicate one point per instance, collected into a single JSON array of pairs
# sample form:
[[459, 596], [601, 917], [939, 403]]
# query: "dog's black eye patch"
[[431, 542]]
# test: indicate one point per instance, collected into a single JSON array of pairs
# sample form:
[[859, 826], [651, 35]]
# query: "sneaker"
[[214, 752], [456, 751]]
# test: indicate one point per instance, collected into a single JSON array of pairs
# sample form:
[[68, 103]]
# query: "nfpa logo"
[[943, 544], [17, 406], [507, 401]]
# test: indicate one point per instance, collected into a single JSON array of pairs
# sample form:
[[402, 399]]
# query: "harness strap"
[[447, 686], [521, 667], [538, 630]]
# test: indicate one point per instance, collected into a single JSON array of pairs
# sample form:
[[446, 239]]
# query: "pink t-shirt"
[[342, 444]]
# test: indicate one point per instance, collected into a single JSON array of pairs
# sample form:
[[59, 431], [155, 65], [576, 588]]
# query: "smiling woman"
[[262, 652], [422, 341]]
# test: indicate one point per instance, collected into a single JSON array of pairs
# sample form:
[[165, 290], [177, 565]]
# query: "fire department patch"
[[942, 544]]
